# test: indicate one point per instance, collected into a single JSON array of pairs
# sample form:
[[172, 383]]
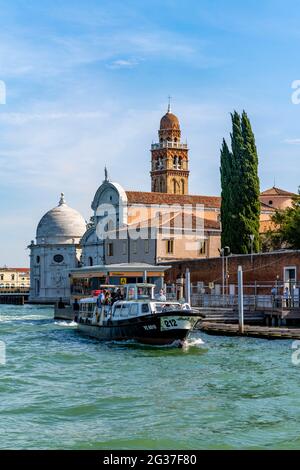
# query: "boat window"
[[145, 308], [134, 310], [131, 293], [144, 292]]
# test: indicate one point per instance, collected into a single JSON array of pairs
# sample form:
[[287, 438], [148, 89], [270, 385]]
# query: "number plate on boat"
[[177, 323]]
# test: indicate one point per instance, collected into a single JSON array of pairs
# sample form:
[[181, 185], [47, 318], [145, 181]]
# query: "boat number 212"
[[170, 323]]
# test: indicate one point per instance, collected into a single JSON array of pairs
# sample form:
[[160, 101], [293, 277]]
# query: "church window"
[[38, 259], [170, 246], [202, 247], [58, 258], [174, 186], [182, 186]]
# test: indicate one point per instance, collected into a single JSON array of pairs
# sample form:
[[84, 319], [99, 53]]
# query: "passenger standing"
[[286, 296]]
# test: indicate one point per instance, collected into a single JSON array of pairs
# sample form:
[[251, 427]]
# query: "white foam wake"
[[66, 323]]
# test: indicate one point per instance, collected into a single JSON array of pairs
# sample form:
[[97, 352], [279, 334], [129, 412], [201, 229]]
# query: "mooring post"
[[188, 286], [241, 299]]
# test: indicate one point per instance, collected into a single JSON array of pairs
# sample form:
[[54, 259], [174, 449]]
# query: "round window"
[[58, 258]]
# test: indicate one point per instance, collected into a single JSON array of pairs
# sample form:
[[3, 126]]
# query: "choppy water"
[[61, 390]]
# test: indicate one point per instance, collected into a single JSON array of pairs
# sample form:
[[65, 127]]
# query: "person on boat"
[[61, 303], [286, 296], [100, 299], [162, 297]]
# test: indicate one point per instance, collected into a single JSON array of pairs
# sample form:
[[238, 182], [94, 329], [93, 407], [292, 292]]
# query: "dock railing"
[[251, 302]]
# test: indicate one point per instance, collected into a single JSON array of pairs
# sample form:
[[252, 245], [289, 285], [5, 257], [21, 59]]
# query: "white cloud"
[[292, 141], [123, 63]]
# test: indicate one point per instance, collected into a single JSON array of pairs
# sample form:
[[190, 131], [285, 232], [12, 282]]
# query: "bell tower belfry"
[[169, 158]]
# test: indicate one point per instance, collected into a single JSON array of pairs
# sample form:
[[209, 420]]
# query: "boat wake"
[[64, 323], [193, 343]]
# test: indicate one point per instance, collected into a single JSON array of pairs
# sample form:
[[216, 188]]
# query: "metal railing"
[[14, 290], [251, 302], [169, 145]]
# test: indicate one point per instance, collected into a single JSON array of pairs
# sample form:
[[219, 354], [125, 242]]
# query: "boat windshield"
[[167, 307], [140, 292]]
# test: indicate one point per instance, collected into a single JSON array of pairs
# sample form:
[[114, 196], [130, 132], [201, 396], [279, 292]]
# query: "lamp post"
[[222, 255], [227, 250], [251, 240], [224, 252]]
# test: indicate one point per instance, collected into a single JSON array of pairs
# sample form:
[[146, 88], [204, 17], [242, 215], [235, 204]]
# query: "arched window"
[[161, 186], [174, 186], [182, 186], [175, 162], [90, 261], [179, 163]]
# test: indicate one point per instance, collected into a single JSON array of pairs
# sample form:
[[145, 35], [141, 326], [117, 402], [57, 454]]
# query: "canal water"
[[60, 390]]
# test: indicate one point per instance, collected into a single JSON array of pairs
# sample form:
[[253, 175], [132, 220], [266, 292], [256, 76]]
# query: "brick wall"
[[264, 268]]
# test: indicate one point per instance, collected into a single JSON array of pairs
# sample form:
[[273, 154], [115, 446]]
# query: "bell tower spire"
[[169, 158]]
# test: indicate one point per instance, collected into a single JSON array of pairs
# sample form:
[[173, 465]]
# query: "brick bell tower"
[[169, 158]]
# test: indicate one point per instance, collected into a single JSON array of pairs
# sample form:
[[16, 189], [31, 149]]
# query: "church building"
[[64, 241]]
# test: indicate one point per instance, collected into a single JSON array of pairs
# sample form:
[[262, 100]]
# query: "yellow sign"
[[123, 280]]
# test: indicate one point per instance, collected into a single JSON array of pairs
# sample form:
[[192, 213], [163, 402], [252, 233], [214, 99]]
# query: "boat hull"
[[157, 329]]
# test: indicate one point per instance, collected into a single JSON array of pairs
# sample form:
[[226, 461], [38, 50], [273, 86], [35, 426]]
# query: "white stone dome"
[[61, 225]]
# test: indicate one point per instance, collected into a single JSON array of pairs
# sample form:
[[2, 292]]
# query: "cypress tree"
[[226, 210], [240, 209], [250, 189]]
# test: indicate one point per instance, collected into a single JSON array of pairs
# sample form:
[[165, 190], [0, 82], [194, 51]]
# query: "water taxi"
[[132, 312]]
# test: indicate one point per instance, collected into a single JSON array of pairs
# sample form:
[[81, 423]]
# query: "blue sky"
[[87, 83]]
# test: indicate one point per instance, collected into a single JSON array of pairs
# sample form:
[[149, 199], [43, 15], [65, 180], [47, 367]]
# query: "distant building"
[[12, 278]]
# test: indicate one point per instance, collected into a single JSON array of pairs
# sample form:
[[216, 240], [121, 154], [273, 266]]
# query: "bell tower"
[[169, 158]]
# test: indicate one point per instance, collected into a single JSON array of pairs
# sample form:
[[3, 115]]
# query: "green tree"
[[226, 183], [287, 227], [240, 210]]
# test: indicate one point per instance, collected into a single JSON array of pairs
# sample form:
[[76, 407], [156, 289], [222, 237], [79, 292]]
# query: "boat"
[[137, 315]]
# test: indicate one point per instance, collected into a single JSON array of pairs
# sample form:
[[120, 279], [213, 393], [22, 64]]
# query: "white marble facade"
[[64, 242], [55, 252]]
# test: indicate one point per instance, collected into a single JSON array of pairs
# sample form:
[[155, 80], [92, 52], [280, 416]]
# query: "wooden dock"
[[264, 332]]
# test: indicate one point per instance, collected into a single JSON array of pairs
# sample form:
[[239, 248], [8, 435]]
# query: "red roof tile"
[[139, 197]]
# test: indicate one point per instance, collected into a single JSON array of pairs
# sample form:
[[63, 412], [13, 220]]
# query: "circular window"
[[58, 258]]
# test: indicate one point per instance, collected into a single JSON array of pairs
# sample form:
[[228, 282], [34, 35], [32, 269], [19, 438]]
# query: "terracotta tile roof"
[[139, 197], [174, 221], [277, 192], [17, 270], [265, 206]]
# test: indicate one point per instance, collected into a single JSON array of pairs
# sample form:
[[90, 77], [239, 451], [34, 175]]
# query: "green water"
[[60, 390]]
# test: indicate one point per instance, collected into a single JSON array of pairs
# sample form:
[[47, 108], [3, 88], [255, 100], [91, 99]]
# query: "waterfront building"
[[55, 252], [14, 278]]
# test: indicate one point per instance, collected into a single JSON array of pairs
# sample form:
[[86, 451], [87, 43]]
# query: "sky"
[[88, 81]]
